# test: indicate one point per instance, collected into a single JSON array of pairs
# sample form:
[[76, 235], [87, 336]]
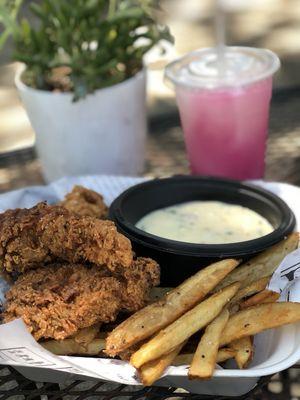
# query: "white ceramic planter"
[[102, 134]]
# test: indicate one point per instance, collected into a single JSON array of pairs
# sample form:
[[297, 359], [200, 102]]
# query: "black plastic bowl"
[[178, 260]]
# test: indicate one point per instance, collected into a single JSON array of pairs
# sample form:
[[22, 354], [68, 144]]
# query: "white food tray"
[[275, 350]]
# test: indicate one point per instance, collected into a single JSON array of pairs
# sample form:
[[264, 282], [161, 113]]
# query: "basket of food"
[[82, 296]]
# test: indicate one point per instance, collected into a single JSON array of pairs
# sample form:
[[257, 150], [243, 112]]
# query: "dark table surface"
[[165, 156]]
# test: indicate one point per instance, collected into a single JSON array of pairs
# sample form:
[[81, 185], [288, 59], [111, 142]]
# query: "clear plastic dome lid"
[[239, 66]]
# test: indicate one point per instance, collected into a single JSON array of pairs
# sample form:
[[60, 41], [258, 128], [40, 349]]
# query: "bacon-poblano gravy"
[[206, 222]]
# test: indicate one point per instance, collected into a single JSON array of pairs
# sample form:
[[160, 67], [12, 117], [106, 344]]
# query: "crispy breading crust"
[[20, 247], [85, 202], [57, 301], [142, 274], [45, 234], [81, 239]]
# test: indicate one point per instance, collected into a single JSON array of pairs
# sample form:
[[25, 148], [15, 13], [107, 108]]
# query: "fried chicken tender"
[[20, 247], [45, 234], [85, 202], [57, 301], [142, 274], [83, 239]]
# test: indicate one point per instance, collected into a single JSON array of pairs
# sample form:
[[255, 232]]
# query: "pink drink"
[[225, 122], [226, 130]]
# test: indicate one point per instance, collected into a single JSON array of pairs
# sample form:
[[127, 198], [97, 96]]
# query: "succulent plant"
[[81, 45]]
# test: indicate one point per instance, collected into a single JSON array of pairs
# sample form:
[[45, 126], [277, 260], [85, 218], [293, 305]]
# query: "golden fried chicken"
[[45, 234], [85, 202], [83, 239], [20, 247], [57, 301], [142, 274]]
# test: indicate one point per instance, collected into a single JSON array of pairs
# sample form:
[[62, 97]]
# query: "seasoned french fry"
[[204, 361], [184, 327], [262, 265], [183, 359], [244, 351], [70, 346], [251, 289], [160, 314], [258, 298], [265, 296], [86, 335], [225, 354], [153, 370], [186, 359], [259, 318], [233, 308], [271, 298], [126, 354]]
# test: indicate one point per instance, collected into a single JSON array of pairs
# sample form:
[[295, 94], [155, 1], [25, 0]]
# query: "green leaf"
[[96, 39], [126, 14], [3, 38], [38, 11]]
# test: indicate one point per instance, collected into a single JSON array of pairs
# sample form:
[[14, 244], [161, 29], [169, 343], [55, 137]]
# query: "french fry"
[[262, 265], [251, 289], [233, 308], [70, 347], [204, 361], [183, 359], [86, 335], [126, 354], [184, 327], [186, 359], [272, 297], [244, 351], [265, 296], [158, 315], [253, 320], [225, 354], [153, 370]]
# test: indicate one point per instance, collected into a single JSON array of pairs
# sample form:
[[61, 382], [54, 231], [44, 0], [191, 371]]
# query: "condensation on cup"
[[225, 111]]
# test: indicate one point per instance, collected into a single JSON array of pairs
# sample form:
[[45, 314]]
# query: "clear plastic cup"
[[225, 111]]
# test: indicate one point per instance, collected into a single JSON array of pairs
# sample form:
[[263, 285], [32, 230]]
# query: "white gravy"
[[207, 222]]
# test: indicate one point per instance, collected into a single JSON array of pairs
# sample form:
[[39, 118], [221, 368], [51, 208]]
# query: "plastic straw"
[[220, 37]]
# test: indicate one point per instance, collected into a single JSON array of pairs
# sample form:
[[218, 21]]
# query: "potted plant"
[[83, 80]]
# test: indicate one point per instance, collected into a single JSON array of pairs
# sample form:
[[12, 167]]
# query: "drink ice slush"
[[225, 118]]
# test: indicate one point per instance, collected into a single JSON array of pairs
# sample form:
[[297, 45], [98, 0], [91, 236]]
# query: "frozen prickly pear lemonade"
[[224, 104]]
